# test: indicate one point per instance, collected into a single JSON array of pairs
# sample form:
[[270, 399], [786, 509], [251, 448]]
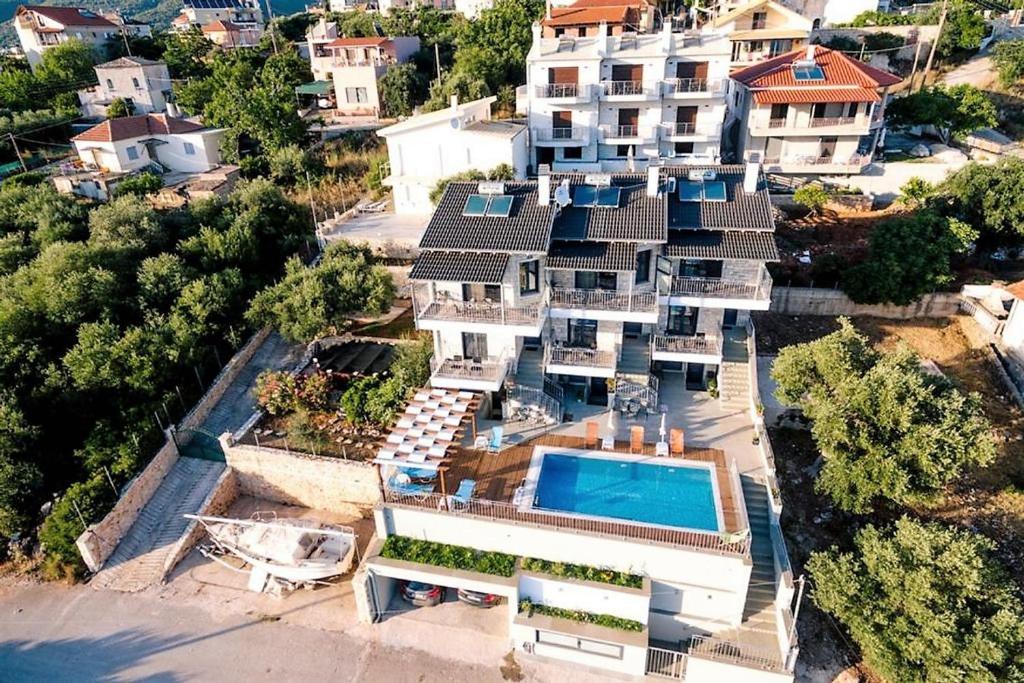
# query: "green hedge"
[[450, 556], [606, 620], [580, 571]]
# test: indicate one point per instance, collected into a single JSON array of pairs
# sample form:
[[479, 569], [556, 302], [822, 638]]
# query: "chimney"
[[547, 9], [750, 175], [172, 110], [455, 102], [810, 52], [535, 27], [653, 178], [604, 39], [666, 36], [543, 185]]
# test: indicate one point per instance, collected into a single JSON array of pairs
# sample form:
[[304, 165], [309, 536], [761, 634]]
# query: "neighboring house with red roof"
[[227, 34], [116, 148], [244, 13], [810, 111], [346, 70], [41, 27], [584, 18]]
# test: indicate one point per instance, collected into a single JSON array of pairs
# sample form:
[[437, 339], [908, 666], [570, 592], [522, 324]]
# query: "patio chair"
[[636, 439], [661, 449], [676, 442], [590, 441], [464, 493], [497, 433], [608, 443], [402, 484]]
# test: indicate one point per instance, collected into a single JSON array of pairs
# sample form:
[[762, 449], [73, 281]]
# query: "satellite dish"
[[455, 123], [562, 197]]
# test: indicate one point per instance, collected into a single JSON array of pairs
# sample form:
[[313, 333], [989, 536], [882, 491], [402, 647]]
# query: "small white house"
[[426, 148], [144, 83], [40, 28]]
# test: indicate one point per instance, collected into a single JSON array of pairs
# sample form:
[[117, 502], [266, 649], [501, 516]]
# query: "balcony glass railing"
[[479, 312], [486, 369], [579, 357], [603, 299], [614, 88], [721, 288], [556, 133], [673, 343], [675, 86], [555, 90]]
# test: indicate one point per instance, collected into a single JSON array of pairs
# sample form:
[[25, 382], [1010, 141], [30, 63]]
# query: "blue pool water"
[[657, 494]]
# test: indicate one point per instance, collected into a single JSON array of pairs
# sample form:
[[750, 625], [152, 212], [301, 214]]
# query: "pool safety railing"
[[704, 541]]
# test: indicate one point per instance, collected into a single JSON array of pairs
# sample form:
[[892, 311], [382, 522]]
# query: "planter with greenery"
[[449, 556], [529, 608], [582, 572]]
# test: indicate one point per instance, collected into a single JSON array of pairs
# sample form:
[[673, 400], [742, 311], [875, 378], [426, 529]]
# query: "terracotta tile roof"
[[1016, 289], [358, 42], [839, 70], [180, 19], [639, 4], [70, 16], [815, 95], [573, 16], [220, 26], [129, 127]]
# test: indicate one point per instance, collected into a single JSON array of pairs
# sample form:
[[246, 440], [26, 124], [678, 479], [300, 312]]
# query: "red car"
[[422, 594]]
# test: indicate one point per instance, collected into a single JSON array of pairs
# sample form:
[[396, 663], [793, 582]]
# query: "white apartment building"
[[424, 149], [243, 13], [761, 30], [605, 102], [810, 111], [40, 27], [144, 83], [354, 66]]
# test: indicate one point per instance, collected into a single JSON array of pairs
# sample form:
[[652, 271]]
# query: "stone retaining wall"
[[224, 493], [293, 478], [815, 301]]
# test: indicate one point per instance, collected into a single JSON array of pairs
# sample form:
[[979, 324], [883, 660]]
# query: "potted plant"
[[713, 387], [610, 383]]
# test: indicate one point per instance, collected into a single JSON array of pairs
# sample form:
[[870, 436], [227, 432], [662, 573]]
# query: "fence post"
[[199, 379]]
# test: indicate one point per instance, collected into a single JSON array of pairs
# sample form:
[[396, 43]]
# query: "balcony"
[[566, 93], [751, 294], [476, 313], [473, 374], [626, 133], [686, 130], [561, 136], [855, 163], [690, 87], [802, 124], [687, 348], [627, 90], [604, 304], [571, 360]]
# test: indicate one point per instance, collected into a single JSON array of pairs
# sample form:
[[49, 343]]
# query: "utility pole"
[[917, 57], [935, 45], [270, 25], [14, 143], [437, 61]]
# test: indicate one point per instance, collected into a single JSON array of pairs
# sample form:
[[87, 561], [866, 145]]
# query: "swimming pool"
[[674, 495]]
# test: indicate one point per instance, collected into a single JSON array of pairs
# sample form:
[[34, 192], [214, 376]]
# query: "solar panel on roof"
[[690, 191], [584, 195], [501, 206], [608, 197], [808, 73], [714, 192], [476, 205]]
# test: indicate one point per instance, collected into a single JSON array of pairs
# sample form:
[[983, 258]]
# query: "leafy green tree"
[[161, 280], [293, 28], [964, 30], [19, 89], [813, 196], [915, 192], [400, 89], [119, 107], [41, 214], [843, 43], [495, 45], [954, 111], [139, 185], [67, 67], [309, 301], [126, 223], [205, 309], [924, 603], [1007, 55], [988, 196], [465, 85], [288, 164], [882, 41], [20, 478], [888, 431], [90, 498], [354, 24], [186, 53], [909, 256]]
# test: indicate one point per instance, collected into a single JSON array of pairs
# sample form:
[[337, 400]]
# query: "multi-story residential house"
[[144, 83], [612, 102], [810, 111], [40, 27], [246, 14], [762, 29], [354, 66], [424, 149], [227, 34], [614, 276], [584, 18]]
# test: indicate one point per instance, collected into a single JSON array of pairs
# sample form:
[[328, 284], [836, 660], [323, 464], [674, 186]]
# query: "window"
[[132, 152], [622, 150], [808, 72], [135, 83], [529, 277], [570, 153], [110, 84], [589, 279], [760, 20], [190, 149], [684, 148], [355, 95], [643, 266]]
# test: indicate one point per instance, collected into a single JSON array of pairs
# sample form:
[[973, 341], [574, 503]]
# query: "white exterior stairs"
[[734, 373]]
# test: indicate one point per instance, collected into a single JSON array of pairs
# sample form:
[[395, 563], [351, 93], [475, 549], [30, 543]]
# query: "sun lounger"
[[676, 437], [400, 485], [590, 441], [497, 433], [636, 439], [464, 493]]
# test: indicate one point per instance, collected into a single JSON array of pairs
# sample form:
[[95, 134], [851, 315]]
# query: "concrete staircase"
[[530, 369], [138, 561], [635, 361], [734, 373]]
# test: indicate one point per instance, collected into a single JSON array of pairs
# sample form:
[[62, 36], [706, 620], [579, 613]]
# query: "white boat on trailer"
[[281, 552]]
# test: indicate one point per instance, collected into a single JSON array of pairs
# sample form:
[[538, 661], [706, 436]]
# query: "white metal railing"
[[710, 542], [809, 160], [488, 369], [526, 396], [603, 299], [723, 288], [690, 85], [613, 88], [624, 130], [677, 343], [579, 356], [777, 123], [828, 121], [561, 133], [680, 128], [666, 663], [557, 90], [721, 650], [479, 312]]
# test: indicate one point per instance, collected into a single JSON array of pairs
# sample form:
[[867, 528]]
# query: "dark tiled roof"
[[740, 211], [638, 218], [592, 256], [752, 245], [459, 266], [527, 229]]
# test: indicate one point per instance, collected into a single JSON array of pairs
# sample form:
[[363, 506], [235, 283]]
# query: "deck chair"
[[676, 442], [636, 439], [464, 493], [497, 433], [591, 439]]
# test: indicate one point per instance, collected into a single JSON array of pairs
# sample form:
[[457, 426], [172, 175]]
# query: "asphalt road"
[[51, 633]]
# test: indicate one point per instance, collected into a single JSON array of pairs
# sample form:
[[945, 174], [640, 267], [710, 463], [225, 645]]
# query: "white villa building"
[[761, 30], [809, 111], [350, 68], [243, 13], [609, 100], [40, 27], [537, 293], [425, 148], [144, 83]]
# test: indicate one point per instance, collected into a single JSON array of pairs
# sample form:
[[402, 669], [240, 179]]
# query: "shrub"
[[384, 400], [882, 41], [314, 391], [140, 184], [499, 172], [925, 603], [843, 43], [120, 107], [92, 499], [450, 556], [355, 398], [915, 191], [813, 196], [276, 392], [606, 620], [583, 572]]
